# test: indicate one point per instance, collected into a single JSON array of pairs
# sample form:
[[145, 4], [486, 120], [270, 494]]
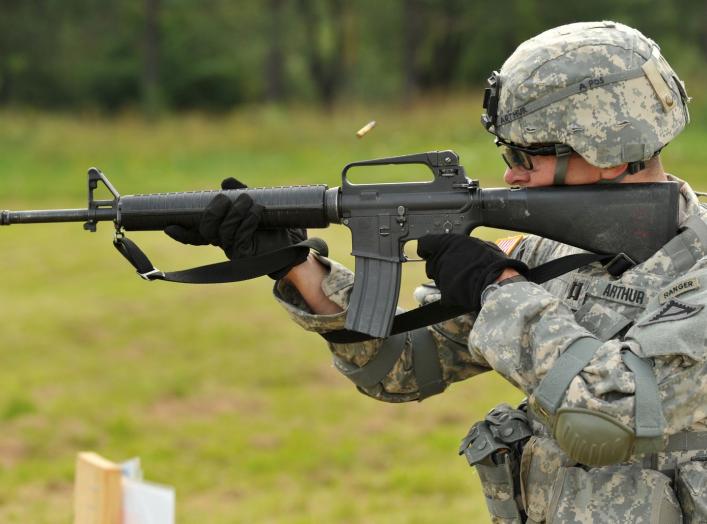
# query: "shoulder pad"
[[508, 244]]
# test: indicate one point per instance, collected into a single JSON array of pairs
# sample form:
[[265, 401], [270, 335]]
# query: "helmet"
[[601, 88]]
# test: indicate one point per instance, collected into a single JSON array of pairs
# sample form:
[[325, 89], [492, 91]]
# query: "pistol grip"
[[374, 297]]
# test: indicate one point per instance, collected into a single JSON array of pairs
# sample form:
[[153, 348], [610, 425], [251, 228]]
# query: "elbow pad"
[[426, 366], [594, 438]]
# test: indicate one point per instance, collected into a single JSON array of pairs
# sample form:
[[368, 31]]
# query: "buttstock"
[[635, 219]]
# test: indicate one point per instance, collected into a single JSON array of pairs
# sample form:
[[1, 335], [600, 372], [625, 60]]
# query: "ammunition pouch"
[[691, 487], [618, 493], [540, 466], [495, 446], [556, 489]]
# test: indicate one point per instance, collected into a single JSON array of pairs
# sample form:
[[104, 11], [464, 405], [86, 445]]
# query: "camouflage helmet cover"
[[601, 88]]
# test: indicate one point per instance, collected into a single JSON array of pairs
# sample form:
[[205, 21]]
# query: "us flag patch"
[[508, 244]]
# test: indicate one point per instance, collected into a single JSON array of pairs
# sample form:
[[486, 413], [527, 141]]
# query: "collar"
[[689, 202]]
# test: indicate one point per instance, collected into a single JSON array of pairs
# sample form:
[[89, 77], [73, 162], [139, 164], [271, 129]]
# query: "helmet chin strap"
[[631, 169], [563, 153], [615, 180]]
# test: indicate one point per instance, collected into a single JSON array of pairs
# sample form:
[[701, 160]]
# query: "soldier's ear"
[[610, 173]]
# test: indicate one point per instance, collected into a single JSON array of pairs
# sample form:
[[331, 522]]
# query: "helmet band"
[[579, 87]]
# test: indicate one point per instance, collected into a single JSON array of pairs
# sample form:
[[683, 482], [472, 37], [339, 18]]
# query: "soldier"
[[612, 358]]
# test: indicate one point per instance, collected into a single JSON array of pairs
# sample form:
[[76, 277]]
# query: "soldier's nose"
[[516, 176]]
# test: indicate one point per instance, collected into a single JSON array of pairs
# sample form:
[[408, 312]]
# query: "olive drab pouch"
[[494, 446], [692, 490], [540, 465], [611, 494]]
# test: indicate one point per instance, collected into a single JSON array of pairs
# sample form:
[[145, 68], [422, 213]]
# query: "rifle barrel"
[[53, 215]]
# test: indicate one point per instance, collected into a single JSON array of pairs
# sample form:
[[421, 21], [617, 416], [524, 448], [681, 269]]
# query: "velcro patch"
[[633, 296], [508, 244], [679, 288], [674, 309]]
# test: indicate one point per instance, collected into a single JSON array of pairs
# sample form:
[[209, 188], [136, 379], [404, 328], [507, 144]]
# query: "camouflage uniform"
[[524, 327], [654, 312]]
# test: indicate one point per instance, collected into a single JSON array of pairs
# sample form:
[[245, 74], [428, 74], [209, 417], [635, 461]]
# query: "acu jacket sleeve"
[[396, 369]]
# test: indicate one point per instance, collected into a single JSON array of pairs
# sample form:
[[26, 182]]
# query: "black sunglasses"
[[514, 155]]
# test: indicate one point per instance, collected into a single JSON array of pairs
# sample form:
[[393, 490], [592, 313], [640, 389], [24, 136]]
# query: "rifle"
[[634, 220]]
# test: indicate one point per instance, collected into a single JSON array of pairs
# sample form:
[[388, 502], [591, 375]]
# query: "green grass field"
[[212, 386]]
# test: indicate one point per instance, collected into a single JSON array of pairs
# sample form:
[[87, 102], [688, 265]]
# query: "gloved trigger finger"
[[428, 245]]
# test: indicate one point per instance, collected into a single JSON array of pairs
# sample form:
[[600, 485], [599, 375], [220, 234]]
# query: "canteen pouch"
[[494, 447], [692, 490], [611, 494]]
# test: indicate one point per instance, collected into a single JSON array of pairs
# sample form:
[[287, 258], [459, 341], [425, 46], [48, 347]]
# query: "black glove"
[[233, 226], [463, 266]]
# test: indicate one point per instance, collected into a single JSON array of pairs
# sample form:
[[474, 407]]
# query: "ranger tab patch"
[[674, 309], [691, 284], [508, 244]]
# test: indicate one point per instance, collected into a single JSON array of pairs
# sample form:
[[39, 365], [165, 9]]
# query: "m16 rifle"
[[631, 221]]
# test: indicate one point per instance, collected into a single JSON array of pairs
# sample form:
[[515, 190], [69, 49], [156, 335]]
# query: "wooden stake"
[[98, 493]]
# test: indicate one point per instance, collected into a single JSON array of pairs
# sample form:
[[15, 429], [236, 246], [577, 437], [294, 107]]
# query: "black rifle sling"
[[247, 268], [434, 312], [220, 272]]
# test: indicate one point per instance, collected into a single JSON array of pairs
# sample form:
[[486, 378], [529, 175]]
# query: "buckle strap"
[[619, 264], [434, 312], [136, 257], [678, 442], [378, 367], [648, 414], [221, 272], [560, 266], [551, 390], [426, 366], [425, 360], [154, 274], [687, 441], [678, 249]]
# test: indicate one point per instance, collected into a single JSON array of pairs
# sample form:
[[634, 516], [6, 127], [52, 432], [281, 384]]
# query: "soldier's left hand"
[[463, 266], [234, 227]]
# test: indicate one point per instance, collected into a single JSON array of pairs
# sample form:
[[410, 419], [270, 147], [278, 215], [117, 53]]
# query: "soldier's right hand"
[[463, 266]]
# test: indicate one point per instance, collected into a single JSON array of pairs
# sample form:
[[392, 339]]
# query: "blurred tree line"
[[216, 54]]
